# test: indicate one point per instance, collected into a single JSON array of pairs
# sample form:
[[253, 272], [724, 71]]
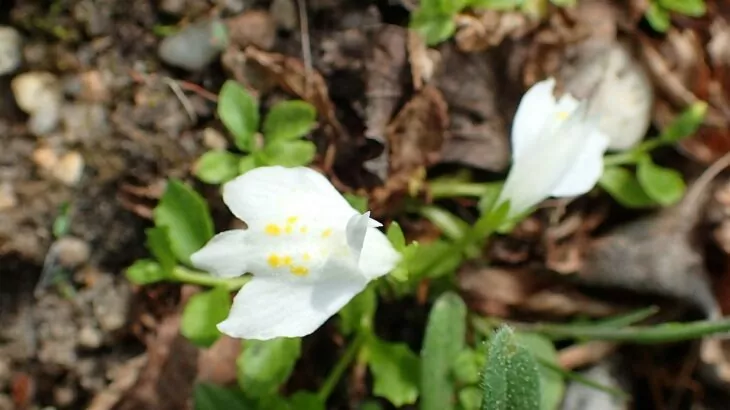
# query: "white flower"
[[556, 149], [310, 252]]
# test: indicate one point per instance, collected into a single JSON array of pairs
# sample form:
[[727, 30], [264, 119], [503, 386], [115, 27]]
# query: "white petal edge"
[[535, 109], [586, 168], [267, 308], [355, 232], [378, 256], [268, 193], [225, 255]]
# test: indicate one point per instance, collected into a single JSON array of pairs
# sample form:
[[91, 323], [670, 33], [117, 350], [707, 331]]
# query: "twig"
[[306, 46], [175, 87]]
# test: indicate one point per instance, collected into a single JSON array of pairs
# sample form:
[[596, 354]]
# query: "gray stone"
[[192, 48], [11, 50]]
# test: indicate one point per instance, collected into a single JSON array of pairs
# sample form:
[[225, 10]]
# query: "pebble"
[[84, 122], [64, 396], [70, 168], [72, 251], [11, 50], [8, 199], [213, 139], [110, 303], [192, 48], [38, 93], [90, 337], [285, 14]]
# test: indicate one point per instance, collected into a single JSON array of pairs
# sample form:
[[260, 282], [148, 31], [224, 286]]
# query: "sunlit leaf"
[[202, 313]]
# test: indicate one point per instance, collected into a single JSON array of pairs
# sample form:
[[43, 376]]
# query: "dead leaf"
[[254, 27], [423, 60], [217, 364], [489, 28], [386, 71], [122, 379]]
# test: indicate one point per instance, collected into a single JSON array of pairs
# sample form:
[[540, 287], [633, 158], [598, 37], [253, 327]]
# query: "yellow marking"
[[303, 229], [326, 233], [272, 229], [562, 115], [307, 257], [289, 229], [292, 219], [299, 270], [274, 260], [287, 260]]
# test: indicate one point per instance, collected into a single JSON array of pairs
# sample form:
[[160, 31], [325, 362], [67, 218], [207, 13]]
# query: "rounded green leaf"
[[145, 272], [444, 339], [202, 314], [435, 28], [396, 236], [239, 112], [217, 167], [395, 370], [158, 242], [289, 120], [664, 185], [358, 313], [185, 215], [264, 365], [246, 164], [289, 153], [622, 185], [360, 203]]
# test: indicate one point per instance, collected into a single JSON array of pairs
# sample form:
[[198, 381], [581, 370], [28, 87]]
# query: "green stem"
[[632, 156], [449, 189], [342, 364], [185, 275]]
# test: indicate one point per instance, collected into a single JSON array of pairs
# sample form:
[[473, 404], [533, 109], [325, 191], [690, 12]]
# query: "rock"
[[11, 50], [70, 168], [38, 93], [8, 199], [84, 122], [252, 28], [110, 302], [72, 252], [90, 337], [193, 47], [45, 158], [211, 139], [35, 90], [285, 14]]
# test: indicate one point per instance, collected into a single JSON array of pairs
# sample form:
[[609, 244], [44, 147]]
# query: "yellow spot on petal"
[[292, 219], [299, 270], [274, 260], [326, 233], [307, 257], [289, 229], [287, 260], [272, 229], [562, 115], [303, 229]]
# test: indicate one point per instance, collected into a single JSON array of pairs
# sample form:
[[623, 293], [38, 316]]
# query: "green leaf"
[[470, 397], [145, 272], [552, 384], [511, 378], [693, 8], [450, 225], [395, 370], [467, 366], [445, 7], [444, 339], [289, 120], [358, 313], [370, 405], [158, 242], [239, 112], [434, 28], [396, 236], [686, 123], [360, 203], [306, 401], [290, 153], [664, 185], [212, 397], [246, 164], [217, 167], [202, 314], [658, 17], [564, 3], [185, 215], [264, 365], [434, 259], [62, 223], [622, 185]]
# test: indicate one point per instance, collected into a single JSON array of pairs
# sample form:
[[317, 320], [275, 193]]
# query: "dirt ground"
[[74, 334]]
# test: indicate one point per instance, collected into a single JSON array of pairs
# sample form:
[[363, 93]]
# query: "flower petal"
[[271, 194], [586, 168], [536, 106], [378, 256], [355, 232], [266, 308], [226, 255]]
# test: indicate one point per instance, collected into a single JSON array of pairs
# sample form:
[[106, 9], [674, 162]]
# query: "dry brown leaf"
[[217, 364], [423, 60], [291, 75], [254, 27], [489, 28], [385, 77]]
